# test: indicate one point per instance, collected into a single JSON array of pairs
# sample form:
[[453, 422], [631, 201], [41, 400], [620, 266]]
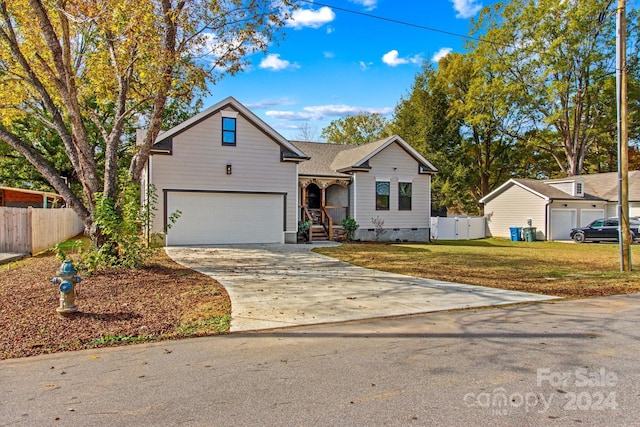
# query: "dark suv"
[[604, 229]]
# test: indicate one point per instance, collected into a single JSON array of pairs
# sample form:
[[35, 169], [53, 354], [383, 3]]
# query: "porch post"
[[322, 202], [304, 195]]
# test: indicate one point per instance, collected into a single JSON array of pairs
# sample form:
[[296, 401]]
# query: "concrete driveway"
[[273, 286]]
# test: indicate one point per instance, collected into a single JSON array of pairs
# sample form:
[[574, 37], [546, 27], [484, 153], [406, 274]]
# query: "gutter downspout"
[[548, 221]]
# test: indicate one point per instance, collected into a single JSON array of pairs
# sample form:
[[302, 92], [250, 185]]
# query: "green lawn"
[[561, 269]]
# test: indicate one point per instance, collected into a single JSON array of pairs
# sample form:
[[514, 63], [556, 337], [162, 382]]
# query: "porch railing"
[[327, 222], [337, 213]]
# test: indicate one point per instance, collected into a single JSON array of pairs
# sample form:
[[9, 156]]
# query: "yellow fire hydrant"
[[66, 281]]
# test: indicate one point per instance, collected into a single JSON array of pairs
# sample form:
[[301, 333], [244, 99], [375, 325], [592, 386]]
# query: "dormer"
[[573, 187]]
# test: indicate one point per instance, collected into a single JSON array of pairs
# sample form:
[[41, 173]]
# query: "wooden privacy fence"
[[32, 230]]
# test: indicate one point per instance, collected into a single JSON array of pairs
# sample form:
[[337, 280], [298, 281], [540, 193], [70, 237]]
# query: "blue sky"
[[334, 63]]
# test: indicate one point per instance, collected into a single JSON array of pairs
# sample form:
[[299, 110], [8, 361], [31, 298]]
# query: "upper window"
[[579, 189], [404, 196], [382, 195], [228, 131]]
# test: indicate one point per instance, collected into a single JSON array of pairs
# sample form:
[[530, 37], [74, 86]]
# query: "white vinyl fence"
[[464, 228], [32, 230]]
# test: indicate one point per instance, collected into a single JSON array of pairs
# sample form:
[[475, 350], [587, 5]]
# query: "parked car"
[[604, 230]]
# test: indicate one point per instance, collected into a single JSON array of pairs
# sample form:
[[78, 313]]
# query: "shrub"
[[378, 227], [123, 226], [350, 226]]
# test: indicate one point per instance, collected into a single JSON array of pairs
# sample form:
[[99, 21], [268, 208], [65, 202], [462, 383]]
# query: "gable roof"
[[164, 140], [338, 159], [321, 156], [601, 186]]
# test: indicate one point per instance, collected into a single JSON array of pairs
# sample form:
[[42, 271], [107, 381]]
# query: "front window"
[[382, 195], [404, 196], [228, 131]]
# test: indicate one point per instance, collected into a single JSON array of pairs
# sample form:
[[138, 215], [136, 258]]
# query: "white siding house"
[[556, 206], [390, 163], [244, 191], [233, 179]]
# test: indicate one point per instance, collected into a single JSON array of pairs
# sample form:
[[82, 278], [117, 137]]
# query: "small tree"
[[350, 226], [378, 227]]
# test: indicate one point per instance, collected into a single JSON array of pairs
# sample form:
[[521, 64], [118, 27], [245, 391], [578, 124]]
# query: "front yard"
[[560, 269], [162, 300]]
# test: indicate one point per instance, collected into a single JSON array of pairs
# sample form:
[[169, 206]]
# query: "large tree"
[[475, 103], [356, 129], [554, 59], [422, 118], [455, 117], [74, 67]]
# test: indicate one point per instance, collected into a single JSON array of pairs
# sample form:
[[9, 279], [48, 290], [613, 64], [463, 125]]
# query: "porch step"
[[318, 233]]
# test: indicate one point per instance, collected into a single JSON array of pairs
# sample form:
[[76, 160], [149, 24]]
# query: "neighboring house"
[[20, 198], [555, 206], [236, 180]]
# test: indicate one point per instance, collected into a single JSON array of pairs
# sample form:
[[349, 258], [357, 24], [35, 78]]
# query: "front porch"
[[325, 202]]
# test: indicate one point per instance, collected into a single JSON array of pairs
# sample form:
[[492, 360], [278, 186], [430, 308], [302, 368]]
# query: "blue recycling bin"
[[516, 234]]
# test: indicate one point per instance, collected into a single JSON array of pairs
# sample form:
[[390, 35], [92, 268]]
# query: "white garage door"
[[219, 218], [587, 216], [562, 221]]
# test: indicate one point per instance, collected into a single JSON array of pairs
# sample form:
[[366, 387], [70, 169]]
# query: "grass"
[[560, 269]]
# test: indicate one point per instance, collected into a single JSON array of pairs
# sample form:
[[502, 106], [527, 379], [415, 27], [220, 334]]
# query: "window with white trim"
[[404, 196], [383, 189], [228, 131]]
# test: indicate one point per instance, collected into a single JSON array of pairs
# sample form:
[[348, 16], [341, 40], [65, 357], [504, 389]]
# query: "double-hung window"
[[383, 189], [228, 131], [404, 196]]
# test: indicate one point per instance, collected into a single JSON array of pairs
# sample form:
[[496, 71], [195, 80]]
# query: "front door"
[[314, 196]]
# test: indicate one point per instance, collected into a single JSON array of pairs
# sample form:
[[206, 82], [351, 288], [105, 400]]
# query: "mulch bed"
[[161, 300]]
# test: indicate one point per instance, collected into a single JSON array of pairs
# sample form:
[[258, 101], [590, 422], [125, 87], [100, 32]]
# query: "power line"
[[405, 23]]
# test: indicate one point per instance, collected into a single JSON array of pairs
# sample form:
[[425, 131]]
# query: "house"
[[21, 198], [234, 179], [555, 206]]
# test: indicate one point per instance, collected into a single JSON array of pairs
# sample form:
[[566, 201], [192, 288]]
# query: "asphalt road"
[[562, 363]]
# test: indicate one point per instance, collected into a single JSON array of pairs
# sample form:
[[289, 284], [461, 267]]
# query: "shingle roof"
[[601, 186], [335, 159], [350, 158], [321, 156]]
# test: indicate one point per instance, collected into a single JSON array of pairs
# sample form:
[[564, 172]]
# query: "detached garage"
[[225, 218], [232, 177], [555, 206]]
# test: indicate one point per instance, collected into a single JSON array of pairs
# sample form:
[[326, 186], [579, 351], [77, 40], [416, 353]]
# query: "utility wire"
[[405, 23]]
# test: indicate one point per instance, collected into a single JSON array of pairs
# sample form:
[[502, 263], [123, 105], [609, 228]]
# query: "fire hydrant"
[[67, 280]]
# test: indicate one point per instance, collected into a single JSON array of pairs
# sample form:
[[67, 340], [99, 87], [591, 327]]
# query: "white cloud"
[[364, 66], [393, 59], [270, 103], [444, 51], [302, 18], [367, 4], [466, 8], [329, 55], [274, 63], [289, 115], [319, 112]]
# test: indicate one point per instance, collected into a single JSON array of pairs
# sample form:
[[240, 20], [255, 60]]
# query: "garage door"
[[220, 218], [562, 221], [587, 216]]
